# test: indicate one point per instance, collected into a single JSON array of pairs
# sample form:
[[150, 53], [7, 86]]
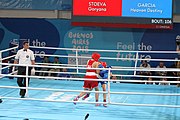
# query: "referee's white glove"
[[33, 71], [14, 70]]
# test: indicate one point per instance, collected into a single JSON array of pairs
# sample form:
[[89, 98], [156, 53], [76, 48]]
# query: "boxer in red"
[[90, 74]]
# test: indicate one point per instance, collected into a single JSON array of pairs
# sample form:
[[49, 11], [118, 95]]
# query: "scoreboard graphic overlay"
[[156, 14]]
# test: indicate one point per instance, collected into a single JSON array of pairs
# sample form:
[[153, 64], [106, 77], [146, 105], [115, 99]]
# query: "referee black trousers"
[[21, 81]]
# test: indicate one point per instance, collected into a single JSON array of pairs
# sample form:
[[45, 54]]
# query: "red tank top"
[[90, 72]]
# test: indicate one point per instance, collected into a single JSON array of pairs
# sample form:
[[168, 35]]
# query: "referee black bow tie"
[[25, 50]]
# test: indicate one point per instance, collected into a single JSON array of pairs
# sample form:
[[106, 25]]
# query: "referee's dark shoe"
[[22, 96], [1, 101], [22, 93]]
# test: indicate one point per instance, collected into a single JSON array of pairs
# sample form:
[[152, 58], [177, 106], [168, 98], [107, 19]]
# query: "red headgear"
[[96, 56]]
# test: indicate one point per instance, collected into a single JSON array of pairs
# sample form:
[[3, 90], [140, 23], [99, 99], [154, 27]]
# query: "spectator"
[[44, 68], [64, 74], [143, 65], [56, 61], [178, 62], [161, 72], [114, 78], [172, 74], [178, 73]]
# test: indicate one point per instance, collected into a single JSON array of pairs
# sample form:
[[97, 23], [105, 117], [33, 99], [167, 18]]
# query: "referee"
[[24, 56]]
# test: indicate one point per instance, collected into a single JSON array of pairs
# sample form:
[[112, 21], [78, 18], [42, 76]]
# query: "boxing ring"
[[51, 98]]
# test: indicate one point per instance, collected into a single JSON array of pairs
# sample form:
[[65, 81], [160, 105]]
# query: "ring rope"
[[95, 50], [109, 80]]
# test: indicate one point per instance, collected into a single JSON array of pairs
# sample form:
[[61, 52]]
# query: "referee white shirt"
[[25, 56]]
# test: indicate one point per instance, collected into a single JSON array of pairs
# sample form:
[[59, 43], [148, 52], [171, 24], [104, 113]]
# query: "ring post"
[[109, 96], [137, 56], [77, 61], [27, 67], [0, 64]]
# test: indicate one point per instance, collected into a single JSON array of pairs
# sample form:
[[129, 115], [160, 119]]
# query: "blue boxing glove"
[[103, 71], [109, 66], [101, 74], [105, 76]]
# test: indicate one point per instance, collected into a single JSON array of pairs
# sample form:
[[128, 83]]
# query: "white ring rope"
[[121, 51], [12, 56], [9, 49], [106, 58], [82, 79], [112, 103], [100, 69], [98, 50], [82, 67], [139, 69], [65, 90]]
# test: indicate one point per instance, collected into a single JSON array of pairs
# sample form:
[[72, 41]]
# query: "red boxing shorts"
[[90, 83]]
